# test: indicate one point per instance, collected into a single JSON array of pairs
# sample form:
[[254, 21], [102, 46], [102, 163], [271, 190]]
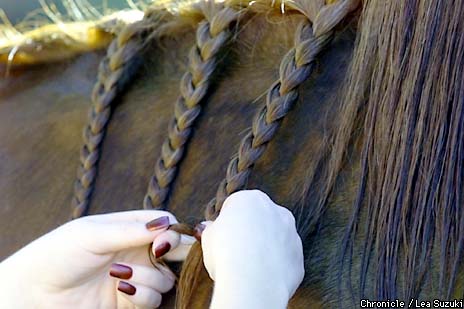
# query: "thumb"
[[104, 235]]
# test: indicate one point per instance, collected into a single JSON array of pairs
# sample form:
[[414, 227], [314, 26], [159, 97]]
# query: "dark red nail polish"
[[120, 271], [198, 230], [162, 249], [158, 223], [127, 288]]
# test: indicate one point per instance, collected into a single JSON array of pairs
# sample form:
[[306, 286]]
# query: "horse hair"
[[114, 71], [211, 36], [403, 106], [296, 66]]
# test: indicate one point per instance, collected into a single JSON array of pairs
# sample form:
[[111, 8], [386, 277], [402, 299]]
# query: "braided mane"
[[119, 65], [115, 70], [113, 67], [401, 120], [314, 33], [212, 34], [296, 66]]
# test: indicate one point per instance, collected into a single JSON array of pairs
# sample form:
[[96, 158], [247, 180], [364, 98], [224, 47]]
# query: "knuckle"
[[288, 214], [166, 287], [236, 197], [245, 196], [170, 284], [260, 195]]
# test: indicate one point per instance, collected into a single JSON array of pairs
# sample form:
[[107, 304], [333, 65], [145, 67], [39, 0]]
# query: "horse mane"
[[316, 29], [402, 121], [314, 32], [402, 114]]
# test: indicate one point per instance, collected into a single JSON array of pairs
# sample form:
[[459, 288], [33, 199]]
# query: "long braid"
[[212, 34], [114, 71], [295, 67]]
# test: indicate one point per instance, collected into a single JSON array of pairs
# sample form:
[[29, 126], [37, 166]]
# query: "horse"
[[348, 114]]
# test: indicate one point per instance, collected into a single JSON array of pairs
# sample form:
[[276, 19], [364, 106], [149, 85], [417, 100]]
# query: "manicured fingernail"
[[127, 288], [120, 271], [162, 249], [198, 230], [158, 223]]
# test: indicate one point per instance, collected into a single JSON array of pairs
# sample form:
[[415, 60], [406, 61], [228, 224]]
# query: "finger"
[[201, 228], [206, 241], [247, 197], [120, 230], [180, 253], [164, 242], [286, 215], [142, 216], [165, 270], [139, 295], [151, 277], [102, 238]]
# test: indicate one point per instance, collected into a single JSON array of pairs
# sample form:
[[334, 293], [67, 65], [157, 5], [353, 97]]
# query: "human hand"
[[70, 266], [253, 253]]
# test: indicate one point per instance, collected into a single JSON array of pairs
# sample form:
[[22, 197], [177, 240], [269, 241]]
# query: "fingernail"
[[120, 271], [127, 288], [162, 249], [158, 223], [198, 230]]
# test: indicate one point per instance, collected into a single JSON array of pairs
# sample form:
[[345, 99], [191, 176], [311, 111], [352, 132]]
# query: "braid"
[[295, 67], [113, 73], [211, 36]]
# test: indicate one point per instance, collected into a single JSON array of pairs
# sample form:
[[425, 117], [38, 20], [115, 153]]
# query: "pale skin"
[[252, 252]]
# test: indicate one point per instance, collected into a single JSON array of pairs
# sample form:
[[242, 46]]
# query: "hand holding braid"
[[296, 66], [113, 73], [211, 36]]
